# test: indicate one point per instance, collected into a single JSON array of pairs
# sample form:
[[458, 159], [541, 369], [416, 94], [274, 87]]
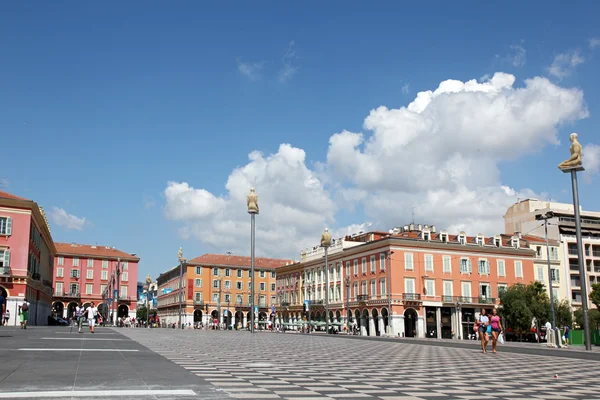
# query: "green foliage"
[[142, 314], [595, 295], [593, 316], [522, 305], [515, 311], [564, 313]]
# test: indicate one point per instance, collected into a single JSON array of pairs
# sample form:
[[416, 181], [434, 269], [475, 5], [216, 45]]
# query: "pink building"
[[26, 258], [85, 273]]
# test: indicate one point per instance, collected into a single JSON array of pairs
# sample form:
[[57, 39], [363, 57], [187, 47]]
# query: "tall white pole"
[[252, 244]]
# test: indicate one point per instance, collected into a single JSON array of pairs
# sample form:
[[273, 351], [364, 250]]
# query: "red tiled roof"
[[6, 195], [225, 259], [92, 251], [539, 240]]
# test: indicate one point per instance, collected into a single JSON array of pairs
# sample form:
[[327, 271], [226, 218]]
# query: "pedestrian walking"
[[91, 316], [566, 335], [482, 328], [79, 310], [3, 309], [24, 313], [496, 327], [6, 317]]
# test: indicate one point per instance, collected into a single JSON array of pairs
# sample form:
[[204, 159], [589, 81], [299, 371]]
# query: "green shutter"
[[9, 226], [7, 258]]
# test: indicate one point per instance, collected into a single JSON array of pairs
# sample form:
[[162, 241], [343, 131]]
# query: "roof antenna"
[[413, 215]]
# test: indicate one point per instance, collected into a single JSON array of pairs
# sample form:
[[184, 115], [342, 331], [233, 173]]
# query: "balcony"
[[411, 296], [71, 294], [362, 298], [36, 276], [285, 304], [4, 271], [198, 302]]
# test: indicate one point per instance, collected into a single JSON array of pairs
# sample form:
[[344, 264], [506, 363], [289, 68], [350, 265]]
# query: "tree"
[[593, 316], [564, 313], [595, 295], [515, 310], [141, 313], [539, 304]]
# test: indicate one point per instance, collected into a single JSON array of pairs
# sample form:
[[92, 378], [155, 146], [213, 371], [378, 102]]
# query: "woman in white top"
[[483, 323]]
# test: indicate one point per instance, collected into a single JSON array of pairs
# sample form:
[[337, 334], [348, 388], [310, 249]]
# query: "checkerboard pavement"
[[294, 366]]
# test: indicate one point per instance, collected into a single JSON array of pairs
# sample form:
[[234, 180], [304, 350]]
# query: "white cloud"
[[406, 88], [289, 68], [591, 160], [564, 64], [62, 218], [518, 55], [441, 152], [295, 207], [594, 42], [251, 70]]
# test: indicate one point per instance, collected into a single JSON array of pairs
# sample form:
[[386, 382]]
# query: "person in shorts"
[[496, 328], [91, 311], [483, 324]]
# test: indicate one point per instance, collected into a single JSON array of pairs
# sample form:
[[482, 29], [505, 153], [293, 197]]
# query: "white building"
[[521, 217]]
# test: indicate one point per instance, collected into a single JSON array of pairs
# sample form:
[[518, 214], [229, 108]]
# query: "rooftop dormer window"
[[426, 235], [480, 240], [514, 242], [497, 241], [462, 238]]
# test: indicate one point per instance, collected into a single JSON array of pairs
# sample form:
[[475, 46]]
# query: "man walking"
[[92, 311], [79, 315], [3, 309]]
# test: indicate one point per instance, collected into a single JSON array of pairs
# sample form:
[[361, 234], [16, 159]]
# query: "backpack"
[[24, 307]]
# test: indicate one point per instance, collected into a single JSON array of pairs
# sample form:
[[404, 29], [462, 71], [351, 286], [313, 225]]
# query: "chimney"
[[433, 229], [411, 227], [420, 227]]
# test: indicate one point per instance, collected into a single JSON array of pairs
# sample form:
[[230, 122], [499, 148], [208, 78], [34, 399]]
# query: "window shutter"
[[470, 265], [487, 267], [8, 226], [7, 258], [556, 273]]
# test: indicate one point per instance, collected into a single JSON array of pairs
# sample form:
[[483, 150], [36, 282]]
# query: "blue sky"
[[103, 105]]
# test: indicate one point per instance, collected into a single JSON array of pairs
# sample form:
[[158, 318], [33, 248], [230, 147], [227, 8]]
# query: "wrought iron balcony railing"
[[4, 270], [362, 297], [411, 296]]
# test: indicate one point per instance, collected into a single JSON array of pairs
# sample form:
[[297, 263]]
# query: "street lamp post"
[[219, 302], [389, 294], [148, 283], [545, 218], [348, 312], [325, 243], [572, 166], [118, 284], [252, 203], [181, 262]]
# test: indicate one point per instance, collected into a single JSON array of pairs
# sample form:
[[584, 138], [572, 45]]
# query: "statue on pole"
[[326, 238], [576, 155], [252, 202], [180, 254]]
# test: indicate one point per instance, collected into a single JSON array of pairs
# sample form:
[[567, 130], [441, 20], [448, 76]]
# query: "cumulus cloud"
[[441, 152], [564, 64], [591, 160], [69, 221], [295, 207], [251, 70], [289, 67]]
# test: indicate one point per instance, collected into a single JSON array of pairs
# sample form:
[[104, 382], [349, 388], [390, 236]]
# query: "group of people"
[[23, 312], [90, 313], [489, 327]]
